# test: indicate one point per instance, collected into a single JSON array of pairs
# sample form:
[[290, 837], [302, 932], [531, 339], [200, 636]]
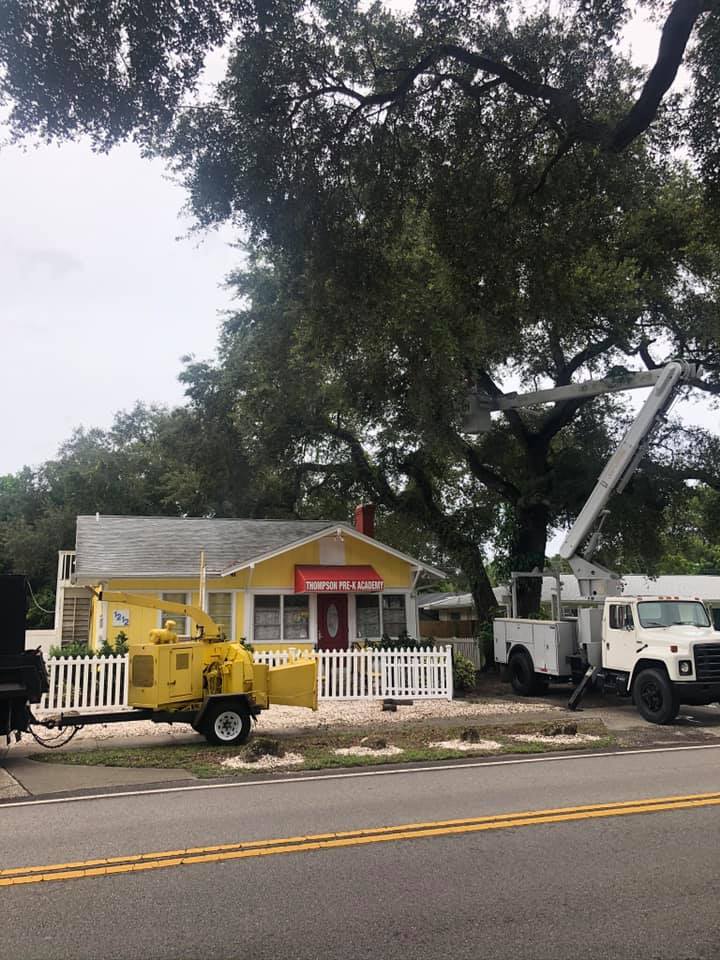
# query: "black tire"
[[654, 696], [226, 724], [523, 678]]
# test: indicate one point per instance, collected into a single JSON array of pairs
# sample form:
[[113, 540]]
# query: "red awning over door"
[[338, 579]]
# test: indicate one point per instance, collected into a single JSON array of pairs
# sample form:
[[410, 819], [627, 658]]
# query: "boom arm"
[[594, 579], [210, 629]]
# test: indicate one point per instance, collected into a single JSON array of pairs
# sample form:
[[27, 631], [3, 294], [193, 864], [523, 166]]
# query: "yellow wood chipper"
[[208, 681]]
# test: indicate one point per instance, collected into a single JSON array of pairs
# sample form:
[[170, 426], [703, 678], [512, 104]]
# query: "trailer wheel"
[[226, 724], [523, 678], [654, 697]]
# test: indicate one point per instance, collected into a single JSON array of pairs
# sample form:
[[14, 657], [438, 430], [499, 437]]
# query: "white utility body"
[[661, 650]]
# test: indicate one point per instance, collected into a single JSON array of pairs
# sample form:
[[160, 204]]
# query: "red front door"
[[332, 614]]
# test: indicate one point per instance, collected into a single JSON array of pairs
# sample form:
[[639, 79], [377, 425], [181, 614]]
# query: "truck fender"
[[236, 698], [520, 647], [645, 664]]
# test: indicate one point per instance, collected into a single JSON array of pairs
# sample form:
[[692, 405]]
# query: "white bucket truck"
[[660, 650]]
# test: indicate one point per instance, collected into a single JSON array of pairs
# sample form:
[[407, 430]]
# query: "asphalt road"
[[643, 885]]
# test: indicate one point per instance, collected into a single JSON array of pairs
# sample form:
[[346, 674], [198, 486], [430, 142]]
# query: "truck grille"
[[707, 661]]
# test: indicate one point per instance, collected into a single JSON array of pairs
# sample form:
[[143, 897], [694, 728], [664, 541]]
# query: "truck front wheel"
[[654, 697], [226, 724], [523, 678]]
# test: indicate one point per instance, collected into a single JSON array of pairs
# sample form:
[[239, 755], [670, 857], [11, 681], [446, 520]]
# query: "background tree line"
[[467, 196]]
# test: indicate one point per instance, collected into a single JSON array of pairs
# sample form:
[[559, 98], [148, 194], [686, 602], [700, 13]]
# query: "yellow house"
[[273, 583]]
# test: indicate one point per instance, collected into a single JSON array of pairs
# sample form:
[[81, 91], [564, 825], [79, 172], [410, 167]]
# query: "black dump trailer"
[[23, 676]]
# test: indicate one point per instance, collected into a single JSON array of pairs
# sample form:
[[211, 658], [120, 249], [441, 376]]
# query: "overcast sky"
[[101, 293]]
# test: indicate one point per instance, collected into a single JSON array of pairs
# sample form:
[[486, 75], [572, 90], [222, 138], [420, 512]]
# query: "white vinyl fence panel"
[[97, 684]]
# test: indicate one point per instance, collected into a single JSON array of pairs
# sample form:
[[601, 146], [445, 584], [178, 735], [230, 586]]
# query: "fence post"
[[449, 668]]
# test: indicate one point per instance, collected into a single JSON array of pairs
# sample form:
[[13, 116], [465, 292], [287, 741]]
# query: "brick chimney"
[[365, 519]]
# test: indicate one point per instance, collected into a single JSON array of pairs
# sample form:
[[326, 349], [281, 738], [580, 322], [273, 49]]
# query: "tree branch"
[[679, 24]]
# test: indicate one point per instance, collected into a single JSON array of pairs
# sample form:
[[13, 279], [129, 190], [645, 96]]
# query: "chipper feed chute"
[[294, 684]]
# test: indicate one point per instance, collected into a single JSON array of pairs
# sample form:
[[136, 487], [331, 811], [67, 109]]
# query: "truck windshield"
[[669, 613]]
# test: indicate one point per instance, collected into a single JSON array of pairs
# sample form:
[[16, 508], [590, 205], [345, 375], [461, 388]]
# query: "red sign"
[[338, 579]]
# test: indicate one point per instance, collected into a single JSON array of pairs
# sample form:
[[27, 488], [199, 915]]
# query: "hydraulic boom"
[[583, 539]]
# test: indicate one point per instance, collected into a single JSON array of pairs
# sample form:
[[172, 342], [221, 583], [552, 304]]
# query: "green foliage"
[[422, 224], [464, 677], [401, 642], [72, 650], [118, 648]]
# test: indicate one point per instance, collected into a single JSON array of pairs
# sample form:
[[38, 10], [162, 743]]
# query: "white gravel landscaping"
[[266, 762], [334, 713], [465, 745], [389, 751]]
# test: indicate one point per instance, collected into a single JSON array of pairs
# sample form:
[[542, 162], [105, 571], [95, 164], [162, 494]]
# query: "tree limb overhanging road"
[[613, 856]]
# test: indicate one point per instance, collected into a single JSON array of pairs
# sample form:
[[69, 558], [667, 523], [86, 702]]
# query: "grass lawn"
[[318, 750]]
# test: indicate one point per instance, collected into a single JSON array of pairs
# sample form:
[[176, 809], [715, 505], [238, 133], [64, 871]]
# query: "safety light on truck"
[[685, 666]]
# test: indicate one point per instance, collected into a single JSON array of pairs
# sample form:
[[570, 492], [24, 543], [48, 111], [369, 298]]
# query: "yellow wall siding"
[[280, 571], [394, 571]]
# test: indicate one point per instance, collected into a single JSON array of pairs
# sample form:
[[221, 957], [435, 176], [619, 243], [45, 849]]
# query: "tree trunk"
[[528, 553]]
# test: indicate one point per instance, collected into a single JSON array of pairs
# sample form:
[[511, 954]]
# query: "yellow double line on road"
[[136, 863]]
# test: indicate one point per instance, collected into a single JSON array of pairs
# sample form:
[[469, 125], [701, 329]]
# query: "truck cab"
[[666, 650]]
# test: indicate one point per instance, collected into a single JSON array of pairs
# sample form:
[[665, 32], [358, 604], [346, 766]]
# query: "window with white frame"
[[376, 615], [296, 617], [367, 616], [394, 619], [281, 617], [220, 608], [182, 624]]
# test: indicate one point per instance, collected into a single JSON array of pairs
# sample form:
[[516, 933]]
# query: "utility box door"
[[180, 679], [549, 642]]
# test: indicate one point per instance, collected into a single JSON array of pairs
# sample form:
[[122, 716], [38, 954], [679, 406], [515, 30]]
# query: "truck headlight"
[[685, 667]]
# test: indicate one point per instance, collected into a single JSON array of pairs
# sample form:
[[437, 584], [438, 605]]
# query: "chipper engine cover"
[[23, 677]]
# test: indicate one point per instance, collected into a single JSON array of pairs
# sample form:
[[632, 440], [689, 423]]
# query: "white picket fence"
[[424, 674], [101, 683], [85, 683]]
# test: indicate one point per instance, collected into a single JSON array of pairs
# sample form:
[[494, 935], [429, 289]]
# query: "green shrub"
[[72, 650], [402, 642], [463, 672]]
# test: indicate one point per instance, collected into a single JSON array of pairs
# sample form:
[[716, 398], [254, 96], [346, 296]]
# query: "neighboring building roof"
[[705, 587], [170, 546], [683, 585], [115, 547], [448, 601], [426, 599]]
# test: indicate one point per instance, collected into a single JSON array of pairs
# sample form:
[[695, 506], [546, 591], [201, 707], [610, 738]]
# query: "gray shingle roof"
[[170, 546]]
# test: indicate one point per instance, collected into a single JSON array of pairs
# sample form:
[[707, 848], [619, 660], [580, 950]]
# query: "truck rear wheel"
[[523, 678], [654, 697], [226, 724]]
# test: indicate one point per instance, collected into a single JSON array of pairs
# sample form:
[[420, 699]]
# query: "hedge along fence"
[[101, 683]]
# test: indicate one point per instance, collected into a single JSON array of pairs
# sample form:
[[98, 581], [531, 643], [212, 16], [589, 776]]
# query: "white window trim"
[[187, 594], [230, 627], [411, 619], [274, 592]]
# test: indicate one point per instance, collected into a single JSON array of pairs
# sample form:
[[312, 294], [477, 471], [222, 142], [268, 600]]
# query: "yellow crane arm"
[[209, 627]]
